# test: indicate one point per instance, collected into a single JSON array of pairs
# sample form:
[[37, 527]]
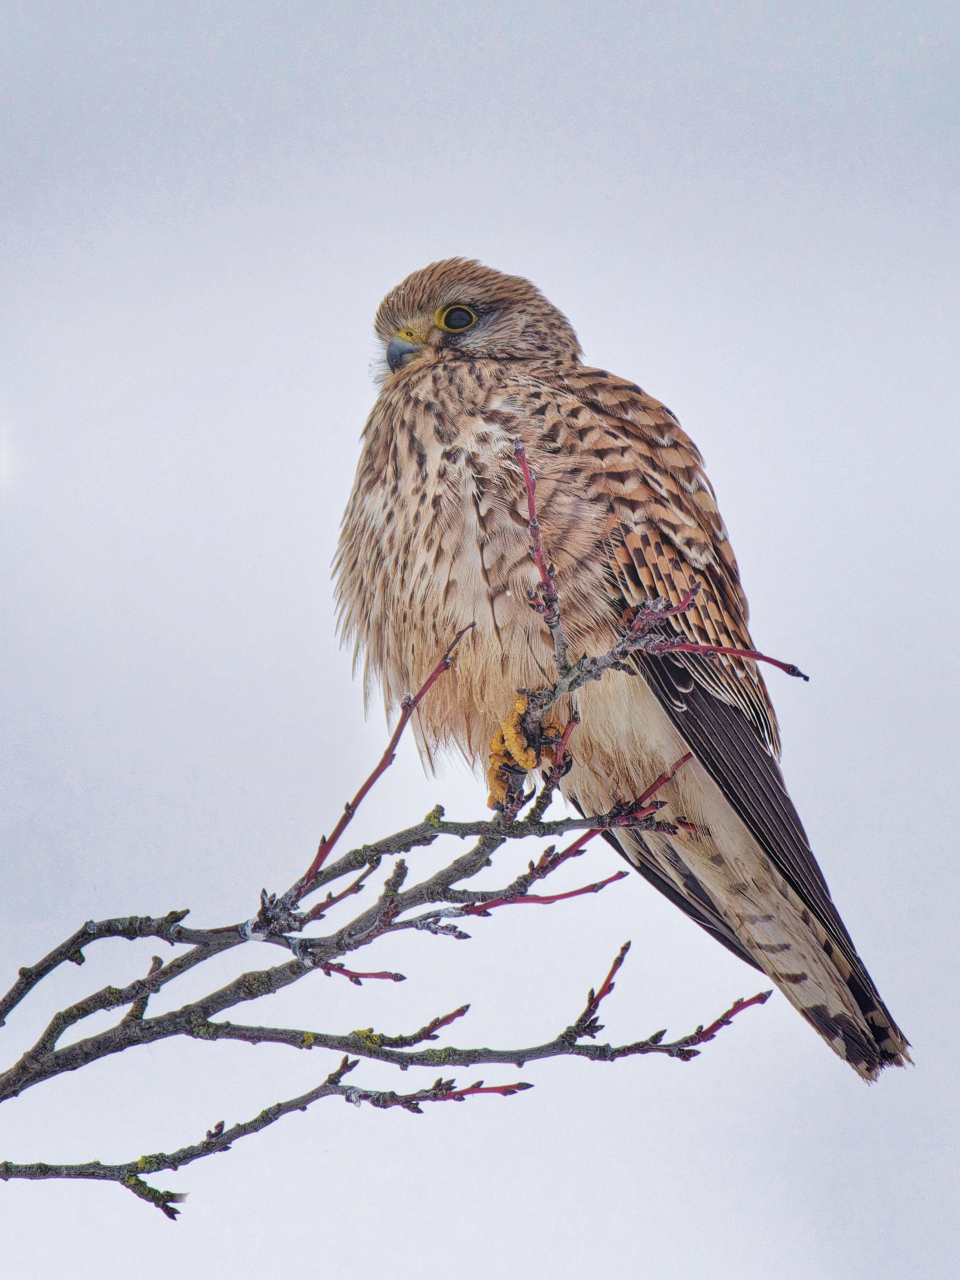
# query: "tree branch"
[[437, 899], [367, 1044], [130, 927], [219, 1140]]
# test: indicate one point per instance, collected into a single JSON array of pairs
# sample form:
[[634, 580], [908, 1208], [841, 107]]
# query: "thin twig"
[[355, 978], [429, 1032], [129, 927], [220, 1139], [703, 1034], [586, 1024], [484, 908], [545, 600], [408, 706], [320, 910], [664, 778], [688, 646], [367, 1044]]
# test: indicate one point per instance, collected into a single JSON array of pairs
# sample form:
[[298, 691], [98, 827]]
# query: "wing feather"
[[750, 779], [665, 535]]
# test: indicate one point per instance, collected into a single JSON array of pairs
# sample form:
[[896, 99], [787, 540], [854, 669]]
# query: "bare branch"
[[430, 906], [220, 1140], [384, 1048], [586, 1024], [684, 646], [125, 927]]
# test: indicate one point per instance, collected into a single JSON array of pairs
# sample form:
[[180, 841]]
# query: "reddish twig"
[[355, 977], [572, 893], [519, 891], [318, 912], [644, 807], [504, 1090], [632, 817], [655, 786], [683, 646], [440, 1091], [484, 908], [574, 850], [560, 749], [545, 599], [408, 706], [703, 1034], [425, 1033], [586, 1024], [651, 613], [548, 863]]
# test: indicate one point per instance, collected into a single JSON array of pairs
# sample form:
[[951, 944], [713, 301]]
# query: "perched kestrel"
[[436, 536]]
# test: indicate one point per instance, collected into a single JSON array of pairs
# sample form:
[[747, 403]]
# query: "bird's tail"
[[781, 936]]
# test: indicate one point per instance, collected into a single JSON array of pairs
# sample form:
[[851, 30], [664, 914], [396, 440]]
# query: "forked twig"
[[384, 1048], [587, 1024]]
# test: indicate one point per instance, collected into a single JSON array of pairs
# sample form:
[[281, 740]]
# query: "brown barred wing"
[[666, 534]]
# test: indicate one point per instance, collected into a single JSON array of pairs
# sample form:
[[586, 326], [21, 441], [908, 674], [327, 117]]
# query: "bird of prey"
[[436, 536]]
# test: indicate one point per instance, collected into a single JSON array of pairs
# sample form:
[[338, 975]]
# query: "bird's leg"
[[554, 752], [514, 751]]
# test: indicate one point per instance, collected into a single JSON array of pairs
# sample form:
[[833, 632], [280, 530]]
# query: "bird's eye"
[[454, 319]]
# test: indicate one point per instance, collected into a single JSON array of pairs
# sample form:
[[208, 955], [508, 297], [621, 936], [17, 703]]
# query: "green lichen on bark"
[[368, 1037], [200, 1027]]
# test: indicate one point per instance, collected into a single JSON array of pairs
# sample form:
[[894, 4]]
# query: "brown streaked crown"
[[514, 320]]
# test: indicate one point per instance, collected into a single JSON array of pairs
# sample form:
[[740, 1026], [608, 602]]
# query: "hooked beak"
[[398, 350]]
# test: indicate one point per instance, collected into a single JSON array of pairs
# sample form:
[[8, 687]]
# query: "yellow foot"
[[514, 737], [511, 752]]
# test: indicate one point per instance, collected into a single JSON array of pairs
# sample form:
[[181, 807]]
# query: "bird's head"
[[458, 309]]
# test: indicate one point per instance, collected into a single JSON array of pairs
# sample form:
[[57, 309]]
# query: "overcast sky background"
[[750, 208]]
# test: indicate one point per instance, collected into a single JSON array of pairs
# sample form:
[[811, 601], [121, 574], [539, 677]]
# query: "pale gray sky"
[[751, 209]]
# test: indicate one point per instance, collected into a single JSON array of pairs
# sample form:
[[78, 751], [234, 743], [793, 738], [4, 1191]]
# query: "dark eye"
[[454, 319]]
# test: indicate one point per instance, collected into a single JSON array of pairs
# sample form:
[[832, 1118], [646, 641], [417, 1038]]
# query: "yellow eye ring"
[[455, 319]]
